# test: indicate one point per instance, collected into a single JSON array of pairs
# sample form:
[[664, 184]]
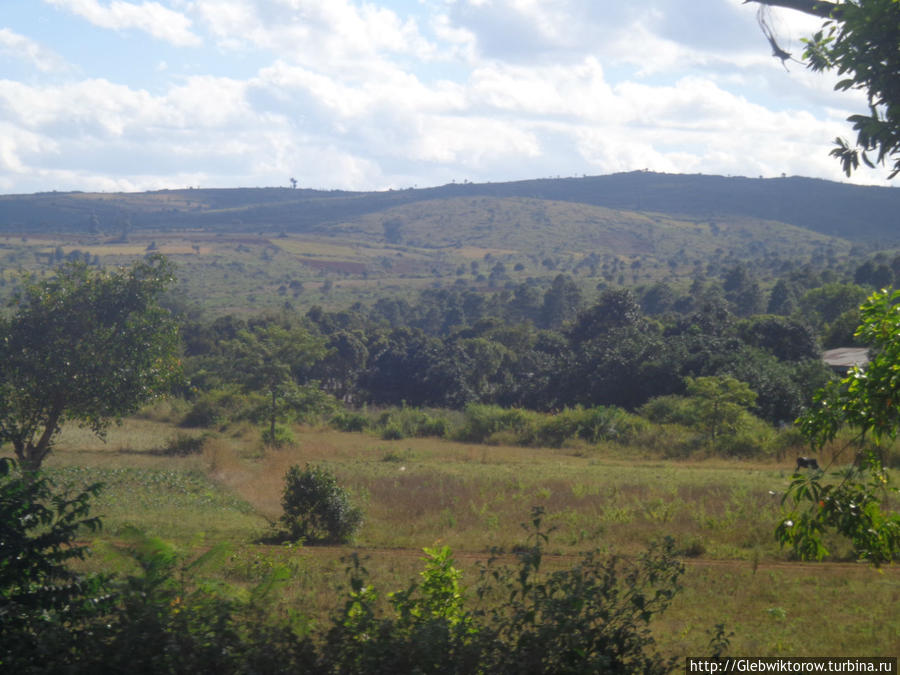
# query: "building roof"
[[845, 357]]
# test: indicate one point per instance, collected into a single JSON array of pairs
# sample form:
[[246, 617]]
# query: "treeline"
[[542, 349]]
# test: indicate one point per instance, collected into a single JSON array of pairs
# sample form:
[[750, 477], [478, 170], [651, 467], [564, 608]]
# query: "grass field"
[[422, 492]]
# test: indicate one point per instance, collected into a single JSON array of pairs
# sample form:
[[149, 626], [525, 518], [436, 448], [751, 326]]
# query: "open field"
[[422, 492]]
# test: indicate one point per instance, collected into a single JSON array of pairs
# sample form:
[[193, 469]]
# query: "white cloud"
[[150, 17], [362, 94], [331, 35], [20, 47]]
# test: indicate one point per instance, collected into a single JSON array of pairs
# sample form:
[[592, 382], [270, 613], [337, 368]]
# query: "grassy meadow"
[[474, 498]]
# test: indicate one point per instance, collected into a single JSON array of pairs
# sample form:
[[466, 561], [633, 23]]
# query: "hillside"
[[250, 249], [855, 213]]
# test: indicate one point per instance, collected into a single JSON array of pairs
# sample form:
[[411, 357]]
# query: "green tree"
[[820, 306], [722, 401], [316, 508], [855, 503], [84, 346], [859, 41], [272, 358]]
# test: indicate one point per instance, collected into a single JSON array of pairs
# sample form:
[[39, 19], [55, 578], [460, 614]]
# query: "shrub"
[[46, 609], [218, 406], [482, 421], [670, 409], [349, 421], [282, 437], [183, 445], [316, 508], [408, 422], [392, 432], [591, 618]]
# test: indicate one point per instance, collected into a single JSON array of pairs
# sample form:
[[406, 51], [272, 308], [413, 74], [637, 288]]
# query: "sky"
[[132, 95]]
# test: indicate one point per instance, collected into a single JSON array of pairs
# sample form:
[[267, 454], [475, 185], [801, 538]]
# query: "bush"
[[392, 432], [588, 424], [282, 437], [182, 445], [349, 421], [591, 618], [670, 409], [408, 422], [316, 508], [483, 421], [46, 609], [218, 406]]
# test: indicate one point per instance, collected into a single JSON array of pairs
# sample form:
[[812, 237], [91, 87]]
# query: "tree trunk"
[[826, 10], [30, 454], [272, 420]]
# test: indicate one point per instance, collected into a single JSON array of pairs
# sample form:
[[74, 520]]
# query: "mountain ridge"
[[852, 212]]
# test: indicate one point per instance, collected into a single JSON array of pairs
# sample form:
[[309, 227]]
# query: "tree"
[[84, 346], [722, 401], [561, 302], [271, 358], [865, 401], [859, 40]]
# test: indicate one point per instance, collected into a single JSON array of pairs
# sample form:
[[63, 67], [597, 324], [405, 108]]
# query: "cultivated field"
[[422, 492]]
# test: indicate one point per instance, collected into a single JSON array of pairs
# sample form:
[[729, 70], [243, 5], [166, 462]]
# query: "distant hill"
[[850, 212], [248, 249]]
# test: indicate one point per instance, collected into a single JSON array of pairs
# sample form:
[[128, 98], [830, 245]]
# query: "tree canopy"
[[84, 346], [860, 41]]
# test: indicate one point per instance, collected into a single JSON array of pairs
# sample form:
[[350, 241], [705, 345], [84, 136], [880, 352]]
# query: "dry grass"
[[421, 492]]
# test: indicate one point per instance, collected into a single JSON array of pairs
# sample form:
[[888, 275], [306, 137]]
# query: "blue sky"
[[122, 95]]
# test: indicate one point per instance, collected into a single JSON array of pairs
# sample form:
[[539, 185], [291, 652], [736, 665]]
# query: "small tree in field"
[[316, 508], [722, 401], [84, 346], [267, 360]]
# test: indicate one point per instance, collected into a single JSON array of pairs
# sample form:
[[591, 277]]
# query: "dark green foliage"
[[820, 306], [784, 338], [561, 302], [182, 445], [169, 620], [842, 331], [782, 299], [45, 608], [483, 421], [218, 406], [84, 346], [273, 358], [591, 618], [316, 508]]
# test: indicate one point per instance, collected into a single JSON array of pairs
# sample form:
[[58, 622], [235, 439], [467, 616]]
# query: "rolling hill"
[[253, 248], [840, 210]]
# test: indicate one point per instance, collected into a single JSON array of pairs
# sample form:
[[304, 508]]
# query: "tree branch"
[[826, 10]]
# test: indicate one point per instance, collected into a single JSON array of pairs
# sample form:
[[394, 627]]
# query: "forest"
[[542, 349]]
